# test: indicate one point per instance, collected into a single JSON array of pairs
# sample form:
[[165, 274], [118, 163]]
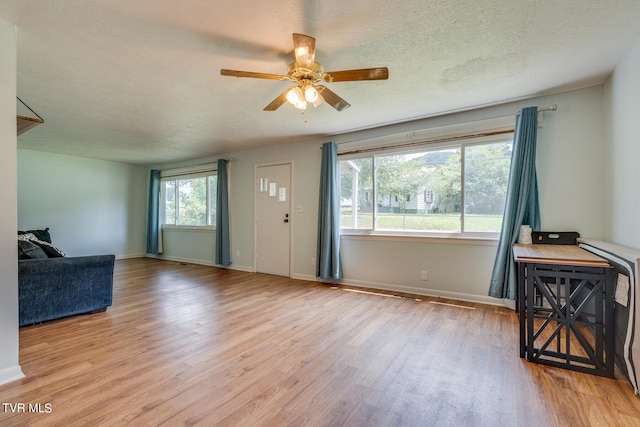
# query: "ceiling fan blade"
[[304, 48], [332, 99], [277, 103], [380, 73], [235, 73]]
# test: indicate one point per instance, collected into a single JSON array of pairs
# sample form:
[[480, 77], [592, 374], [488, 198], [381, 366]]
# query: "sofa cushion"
[[29, 250]]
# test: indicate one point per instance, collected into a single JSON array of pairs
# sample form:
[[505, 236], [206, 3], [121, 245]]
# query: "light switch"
[[299, 208]]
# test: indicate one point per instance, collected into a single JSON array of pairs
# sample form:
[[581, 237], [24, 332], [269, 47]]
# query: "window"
[[189, 200], [453, 189]]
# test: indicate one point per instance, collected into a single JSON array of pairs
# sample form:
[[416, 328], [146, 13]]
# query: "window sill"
[[413, 238], [206, 228]]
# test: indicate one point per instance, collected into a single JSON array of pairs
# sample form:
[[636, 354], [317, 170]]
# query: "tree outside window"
[[189, 200], [424, 191]]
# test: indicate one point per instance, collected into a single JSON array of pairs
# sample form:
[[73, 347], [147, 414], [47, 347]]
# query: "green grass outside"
[[428, 222]]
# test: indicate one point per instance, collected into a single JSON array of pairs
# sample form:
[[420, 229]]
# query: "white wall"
[[9, 367], [305, 157], [189, 245], [91, 206], [570, 142], [622, 207]]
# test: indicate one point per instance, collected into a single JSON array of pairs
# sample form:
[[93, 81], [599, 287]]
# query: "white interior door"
[[272, 219]]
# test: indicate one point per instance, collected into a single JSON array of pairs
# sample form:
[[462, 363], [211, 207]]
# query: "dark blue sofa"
[[51, 288]]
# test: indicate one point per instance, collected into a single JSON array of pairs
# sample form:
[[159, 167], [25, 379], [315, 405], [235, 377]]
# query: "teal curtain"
[[223, 242], [521, 207], [153, 215], [328, 264]]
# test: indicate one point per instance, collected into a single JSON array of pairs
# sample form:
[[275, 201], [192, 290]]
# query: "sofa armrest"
[[57, 287]]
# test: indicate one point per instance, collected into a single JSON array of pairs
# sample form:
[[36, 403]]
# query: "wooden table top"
[[557, 254]]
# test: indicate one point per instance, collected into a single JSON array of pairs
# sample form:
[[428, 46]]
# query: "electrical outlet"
[[313, 261], [238, 252], [423, 275]]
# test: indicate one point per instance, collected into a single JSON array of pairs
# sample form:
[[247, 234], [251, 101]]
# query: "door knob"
[[286, 217]]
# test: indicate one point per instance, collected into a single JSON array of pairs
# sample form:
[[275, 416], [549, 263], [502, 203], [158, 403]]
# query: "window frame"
[[186, 175], [423, 147]]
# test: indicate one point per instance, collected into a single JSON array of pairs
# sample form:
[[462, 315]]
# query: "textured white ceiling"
[[138, 81]]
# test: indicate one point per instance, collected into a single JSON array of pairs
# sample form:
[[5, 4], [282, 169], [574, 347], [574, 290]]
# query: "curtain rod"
[[553, 107], [430, 141], [193, 169]]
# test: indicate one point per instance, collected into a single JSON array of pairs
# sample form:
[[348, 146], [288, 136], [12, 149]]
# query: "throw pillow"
[[29, 250], [41, 234], [48, 248]]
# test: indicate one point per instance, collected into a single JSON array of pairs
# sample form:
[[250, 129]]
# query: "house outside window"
[[189, 200], [453, 190]]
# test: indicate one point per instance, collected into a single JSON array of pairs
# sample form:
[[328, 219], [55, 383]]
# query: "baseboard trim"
[[239, 268], [8, 375], [246, 269], [131, 256], [436, 293], [392, 287]]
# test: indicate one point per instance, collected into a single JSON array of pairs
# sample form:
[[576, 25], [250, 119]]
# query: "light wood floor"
[[195, 345]]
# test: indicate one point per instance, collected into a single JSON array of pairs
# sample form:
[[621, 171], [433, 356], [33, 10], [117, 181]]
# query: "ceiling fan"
[[306, 73]]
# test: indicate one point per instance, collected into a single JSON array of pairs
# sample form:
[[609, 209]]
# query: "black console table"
[[566, 308]]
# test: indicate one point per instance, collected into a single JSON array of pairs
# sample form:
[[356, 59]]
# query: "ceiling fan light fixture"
[[295, 95], [310, 93]]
